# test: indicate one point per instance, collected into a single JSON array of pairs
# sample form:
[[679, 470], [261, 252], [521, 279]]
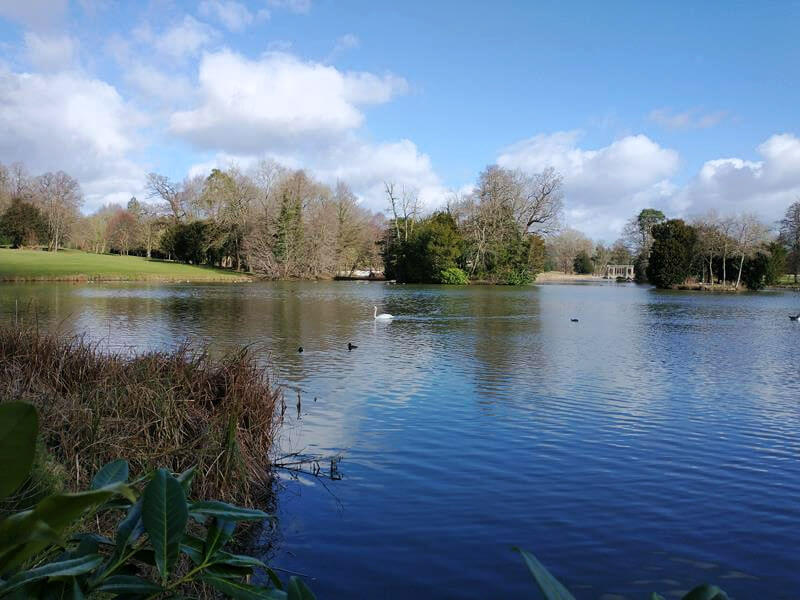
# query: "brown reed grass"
[[174, 409]]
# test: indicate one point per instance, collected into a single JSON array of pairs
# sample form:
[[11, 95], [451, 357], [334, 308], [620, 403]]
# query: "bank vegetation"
[[173, 409]]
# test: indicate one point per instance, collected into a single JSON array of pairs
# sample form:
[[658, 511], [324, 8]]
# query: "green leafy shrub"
[[519, 276], [453, 276], [155, 552]]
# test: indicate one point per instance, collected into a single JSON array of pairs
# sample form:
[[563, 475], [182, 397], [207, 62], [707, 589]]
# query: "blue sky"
[[682, 105]]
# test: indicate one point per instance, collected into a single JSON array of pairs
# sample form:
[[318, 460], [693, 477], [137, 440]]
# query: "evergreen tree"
[[23, 224], [671, 254]]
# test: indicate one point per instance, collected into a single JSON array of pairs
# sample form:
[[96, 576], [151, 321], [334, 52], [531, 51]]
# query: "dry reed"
[[173, 409]]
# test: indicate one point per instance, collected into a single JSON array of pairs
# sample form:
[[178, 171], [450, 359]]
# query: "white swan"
[[381, 316]]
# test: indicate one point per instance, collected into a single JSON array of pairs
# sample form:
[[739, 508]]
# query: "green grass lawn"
[[73, 265]]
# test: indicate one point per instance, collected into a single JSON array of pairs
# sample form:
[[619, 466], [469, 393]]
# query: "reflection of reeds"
[[173, 409]]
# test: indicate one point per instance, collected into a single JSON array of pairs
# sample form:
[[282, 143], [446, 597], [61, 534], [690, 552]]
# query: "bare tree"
[[5, 188], [405, 209], [564, 247], [710, 242], [159, 186], [60, 198], [537, 200], [790, 236], [749, 234], [20, 181]]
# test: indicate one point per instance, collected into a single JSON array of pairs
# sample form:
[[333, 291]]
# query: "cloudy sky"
[[682, 106]]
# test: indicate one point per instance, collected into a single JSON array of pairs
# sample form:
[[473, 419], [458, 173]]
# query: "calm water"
[[653, 445]]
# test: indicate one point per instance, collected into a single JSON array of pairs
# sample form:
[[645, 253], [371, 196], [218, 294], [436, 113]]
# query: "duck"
[[351, 346], [300, 349], [794, 317], [574, 320]]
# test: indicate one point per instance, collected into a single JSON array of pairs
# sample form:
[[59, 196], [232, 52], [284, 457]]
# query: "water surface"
[[650, 446]]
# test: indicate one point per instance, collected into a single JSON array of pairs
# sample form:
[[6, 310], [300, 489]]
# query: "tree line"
[[273, 221], [496, 233], [732, 251], [281, 223]]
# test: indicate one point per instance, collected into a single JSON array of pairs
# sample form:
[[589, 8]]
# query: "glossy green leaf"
[[217, 536], [164, 513], [19, 424], [186, 479], [238, 560], [222, 510], [193, 548], [19, 534], [114, 472], [65, 568], [128, 584], [273, 577], [550, 586], [298, 590], [706, 592], [228, 572], [130, 528], [242, 591]]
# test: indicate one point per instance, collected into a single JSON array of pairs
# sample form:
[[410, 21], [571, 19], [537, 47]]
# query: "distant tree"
[[671, 253], [749, 235], [434, 246], [583, 263], [60, 199], [169, 192], [764, 267], [620, 254], [196, 242], [564, 247], [123, 231], [23, 224], [790, 236], [639, 238], [288, 247]]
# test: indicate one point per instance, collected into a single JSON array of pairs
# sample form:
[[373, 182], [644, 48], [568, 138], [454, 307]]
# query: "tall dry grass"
[[174, 409]]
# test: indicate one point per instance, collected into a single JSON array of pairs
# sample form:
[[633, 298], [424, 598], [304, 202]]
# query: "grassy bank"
[[73, 265], [173, 409]]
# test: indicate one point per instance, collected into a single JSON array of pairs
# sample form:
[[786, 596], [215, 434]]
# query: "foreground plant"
[[155, 552], [553, 589]]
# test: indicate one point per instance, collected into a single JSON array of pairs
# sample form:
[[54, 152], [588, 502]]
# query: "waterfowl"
[[351, 346], [795, 317], [574, 320], [300, 349], [382, 315]]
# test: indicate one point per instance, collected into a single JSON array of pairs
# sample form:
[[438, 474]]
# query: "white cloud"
[[763, 186], [277, 101], [602, 187], [348, 41], [363, 165], [66, 121], [233, 15], [35, 14], [50, 52], [184, 39], [690, 119]]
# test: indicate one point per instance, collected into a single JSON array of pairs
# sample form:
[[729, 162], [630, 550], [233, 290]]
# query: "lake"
[[653, 445]]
